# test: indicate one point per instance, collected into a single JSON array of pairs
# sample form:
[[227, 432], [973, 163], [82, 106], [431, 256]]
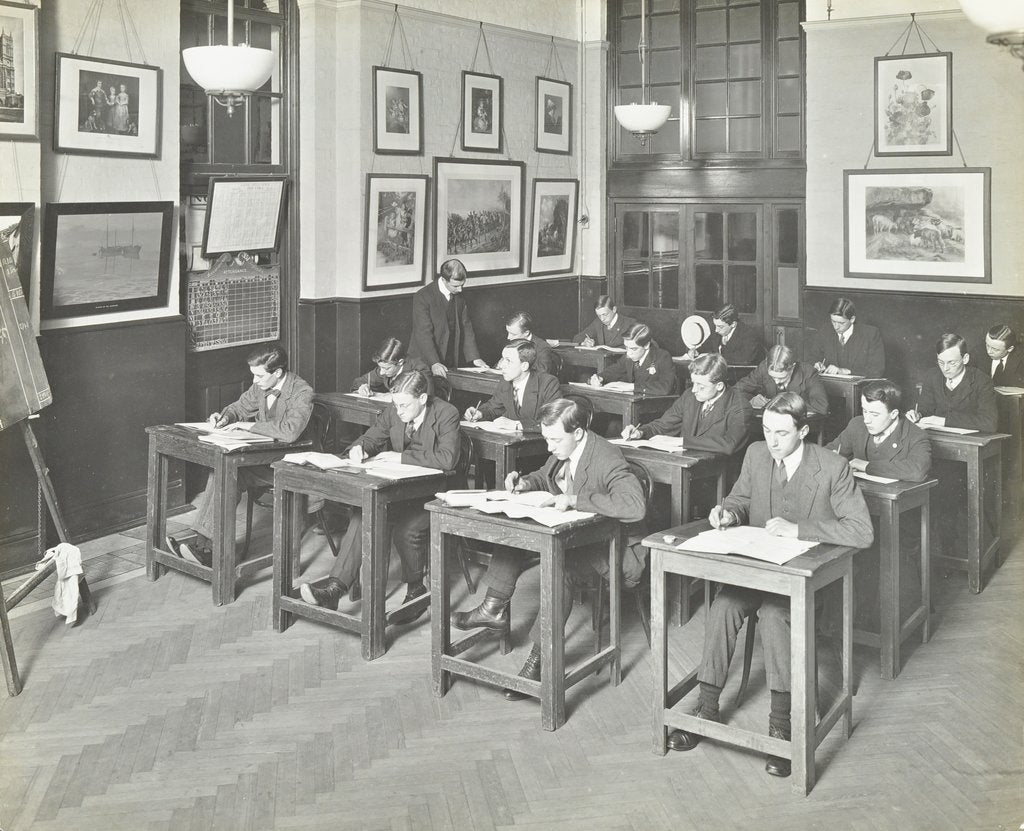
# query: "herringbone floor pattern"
[[165, 712]]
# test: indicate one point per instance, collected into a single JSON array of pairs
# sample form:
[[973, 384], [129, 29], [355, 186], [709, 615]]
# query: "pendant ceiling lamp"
[[643, 120], [1003, 20]]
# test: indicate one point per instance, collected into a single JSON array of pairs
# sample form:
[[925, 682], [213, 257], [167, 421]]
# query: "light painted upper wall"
[[843, 9], [560, 18]]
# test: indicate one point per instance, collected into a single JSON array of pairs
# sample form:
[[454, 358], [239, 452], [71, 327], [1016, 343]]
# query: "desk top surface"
[[350, 399], [683, 458], [500, 437], [184, 435], [437, 506], [618, 396], [894, 490], [965, 439], [298, 474]]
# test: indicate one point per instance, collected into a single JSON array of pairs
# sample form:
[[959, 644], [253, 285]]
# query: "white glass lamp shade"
[[642, 118], [229, 68], [995, 16]]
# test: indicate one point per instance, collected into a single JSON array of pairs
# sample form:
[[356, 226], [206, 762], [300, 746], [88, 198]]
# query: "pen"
[[515, 480]]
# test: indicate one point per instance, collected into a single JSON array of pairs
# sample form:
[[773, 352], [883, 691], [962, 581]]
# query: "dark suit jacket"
[[606, 337], [827, 506], [540, 389], [804, 382], [1012, 375], [907, 451], [972, 405], [864, 354], [545, 356], [655, 376], [378, 383], [723, 430], [286, 420], [435, 444], [430, 334], [603, 482], [746, 346]]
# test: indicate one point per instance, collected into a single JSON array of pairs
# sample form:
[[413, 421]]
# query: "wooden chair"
[[556, 365]]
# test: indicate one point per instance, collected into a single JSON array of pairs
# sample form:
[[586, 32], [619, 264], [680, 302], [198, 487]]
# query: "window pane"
[[711, 27], [666, 285], [710, 3], [787, 292], [710, 137], [789, 57], [711, 99], [745, 23], [707, 236], [664, 5], [745, 61], [666, 233], [665, 67], [194, 29], [265, 5], [710, 62], [266, 129], [789, 20], [229, 135], [629, 35], [743, 236], [666, 140], [708, 287], [744, 135], [665, 94], [628, 145], [629, 75], [745, 98], [743, 287], [788, 134], [193, 106], [634, 234], [634, 284], [663, 30], [788, 96], [787, 246], [630, 8]]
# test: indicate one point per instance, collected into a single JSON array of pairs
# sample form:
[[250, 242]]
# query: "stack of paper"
[[748, 541], [869, 477], [398, 470], [486, 369], [942, 428], [614, 386], [233, 439], [1010, 390]]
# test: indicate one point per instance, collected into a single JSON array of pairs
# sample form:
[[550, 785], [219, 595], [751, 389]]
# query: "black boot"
[[491, 614], [779, 728], [326, 595], [86, 602], [413, 590], [707, 709], [531, 670]]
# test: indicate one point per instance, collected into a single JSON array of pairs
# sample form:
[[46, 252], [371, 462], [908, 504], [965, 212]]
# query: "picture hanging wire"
[[481, 37], [397, 24]]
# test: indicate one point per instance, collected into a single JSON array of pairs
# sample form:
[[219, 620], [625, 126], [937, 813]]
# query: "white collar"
[[276, 389], [887, 432], [443, 288], [845, 337], [647, 351], [574, 457], [792, 461], [418, 421], [953, 384], [613, 321], [520, 383], [711, 402]]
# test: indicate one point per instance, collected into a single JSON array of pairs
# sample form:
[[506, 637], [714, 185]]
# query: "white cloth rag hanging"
[[67, 559]]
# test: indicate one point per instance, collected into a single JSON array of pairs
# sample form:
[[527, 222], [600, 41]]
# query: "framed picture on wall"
[[395, 250], [914, 105], [101, 257], [19, 71], [478, 215], [397, 111], [17, 225], [927, 224], [244, 214], [553, 113], [553, 234], [483, 105], [107, 107]]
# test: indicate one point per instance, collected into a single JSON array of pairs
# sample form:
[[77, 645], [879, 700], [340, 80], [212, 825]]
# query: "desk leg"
[[681, 586], [926, 570], [997, 506], [552, 637], [975, 518], [374, 574], [888, 591], [847, 651], [503, 466], [225, 495], [156, 513], [284, 574], [614, 603], [659, 650], [802, 666], [440, 607]]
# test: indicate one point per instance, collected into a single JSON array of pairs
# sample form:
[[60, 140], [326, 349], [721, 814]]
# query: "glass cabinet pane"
[[635, 234], [707, 236], [193, 105], [666, 285], [743, 288], [787, 236], [745, 23], [666, 233], [708, 287], [634, 284], [743, 236]]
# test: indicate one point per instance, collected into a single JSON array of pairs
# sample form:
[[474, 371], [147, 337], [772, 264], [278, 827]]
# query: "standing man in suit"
[[585, 473], [955, 394], [794, 490], [391, 361], [417, 429], [279, 403], [645, 365], [850, 348], [1007, 359], [442, 333], [519, 399], [519, 326], [738, 343], [781, 372], [607, 328]]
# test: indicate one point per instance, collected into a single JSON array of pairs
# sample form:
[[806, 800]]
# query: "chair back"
[[467, 460], [638, 528], [320, 426], [442, 388], [556, 364]]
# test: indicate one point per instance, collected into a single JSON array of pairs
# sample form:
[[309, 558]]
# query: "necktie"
[[271, 398], [997, 371], [410, 430], [705, 409], [567, 476], [780, 474]]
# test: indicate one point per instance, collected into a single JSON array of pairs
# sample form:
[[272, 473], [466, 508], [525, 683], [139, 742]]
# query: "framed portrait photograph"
[[101, 257], [914, 105], [107, 107], [19, 71], [553, 232], [478, 215], [483, 108], [553, 112], [244, 214], [17, 225], [927, 224], [395, 252], [397, 111]]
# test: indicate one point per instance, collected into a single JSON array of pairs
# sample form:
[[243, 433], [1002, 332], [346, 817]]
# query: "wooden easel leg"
[[7, 651]]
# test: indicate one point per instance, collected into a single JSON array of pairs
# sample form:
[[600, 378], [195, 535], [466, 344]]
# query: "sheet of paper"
[[201, 426], [882, 480], [545, 516], [480, 369], [377, 396], [748, 541], [618, 350], [237, 435], [397, 470], [226, 444], [535, 498], [618, 386], [463, 499], [496, 426], [842, 375], [239, 425], [1010, 390], [942, 428], [670, 444], [324, 461]]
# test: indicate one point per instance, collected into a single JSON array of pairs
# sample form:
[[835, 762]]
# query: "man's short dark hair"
[[605, 302], [412, 383], [843, 307], [527, 351], [453, 270], [727, 314], [1002, 332], [780, 358], [791, 404], [270, 356], [390, 351], [571, 413], [885, 391], [948, 341], [521, 320], [715, 367], [639, 333]]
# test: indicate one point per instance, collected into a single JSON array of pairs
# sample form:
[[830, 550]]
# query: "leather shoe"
[[491, 614], [409, 615], [192, 551], [683, 740], [775, 765], [531, 670], [326, 595]]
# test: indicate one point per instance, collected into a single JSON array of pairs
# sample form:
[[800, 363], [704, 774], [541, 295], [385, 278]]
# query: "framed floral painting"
[[914, 105]]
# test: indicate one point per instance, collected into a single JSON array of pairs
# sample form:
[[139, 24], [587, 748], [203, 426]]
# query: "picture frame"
[[553, 112], [483, 111], [914, 105], [553, 230], [17, 229], [104, 107], [397, 111], [102, 257], [395, 249], [491, 241], [918, 224], [244, 213], [19, 106]]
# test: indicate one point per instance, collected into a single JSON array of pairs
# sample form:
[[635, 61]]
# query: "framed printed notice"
[[244, 215]]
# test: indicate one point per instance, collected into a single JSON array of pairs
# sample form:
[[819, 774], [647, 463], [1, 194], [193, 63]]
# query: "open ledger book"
[[748, 541], [670, 444], [529, 505], [387, 470]]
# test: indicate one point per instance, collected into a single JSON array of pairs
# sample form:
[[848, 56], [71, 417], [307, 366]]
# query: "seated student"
[[645, 365], [848, 347], [391, 361], [709, 416], [519, 326], [280, 403], [585, 473], [524, 392], [1007, 360], [795, 490], [738, 343], [781, 372], [417, 429], [955, 394], [607, 328]]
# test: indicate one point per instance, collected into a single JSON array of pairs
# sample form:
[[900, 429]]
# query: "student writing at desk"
[[584, 473], [280, 403], [645, 365], [735, 341], [519, 398], [792, 489], [391, 361], [848, 347], [1007, 360], [417, 429], [955, 394], [519, 326], [781, 372], [607, 328]]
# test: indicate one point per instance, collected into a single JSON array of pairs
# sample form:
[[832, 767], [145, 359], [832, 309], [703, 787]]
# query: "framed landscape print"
[[553, 232], [394, 254], [928, 224], [483, 105], [478, 215], [107, 108], [397, 111], [914, 105], [101, 257], [553, 113], [17, 224], [19, 71]]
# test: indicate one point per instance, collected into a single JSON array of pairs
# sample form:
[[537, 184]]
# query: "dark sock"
[[496, 595], [708, 698], [779, 715]]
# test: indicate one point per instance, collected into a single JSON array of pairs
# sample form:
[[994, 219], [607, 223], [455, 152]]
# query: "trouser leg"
[[724, 620], [503, 572], [350, 551], [248, 477], [773, 621], [410, 533]]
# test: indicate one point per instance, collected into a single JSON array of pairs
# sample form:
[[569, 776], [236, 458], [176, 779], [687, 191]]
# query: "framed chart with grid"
[[233, 306]]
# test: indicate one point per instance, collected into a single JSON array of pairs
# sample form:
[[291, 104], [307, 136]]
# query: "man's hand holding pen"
[[515, 483], [721, 518]]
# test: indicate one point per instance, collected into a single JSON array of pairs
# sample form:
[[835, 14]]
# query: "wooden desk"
[[889, 502], [629, 406], [799, 579], [505, 449], [552, 544], [977, 451], [584, 362], [351, 408], [1011, 421], [173, 442], [373, 495], [480, 384], [844, 400], [734, 373]]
